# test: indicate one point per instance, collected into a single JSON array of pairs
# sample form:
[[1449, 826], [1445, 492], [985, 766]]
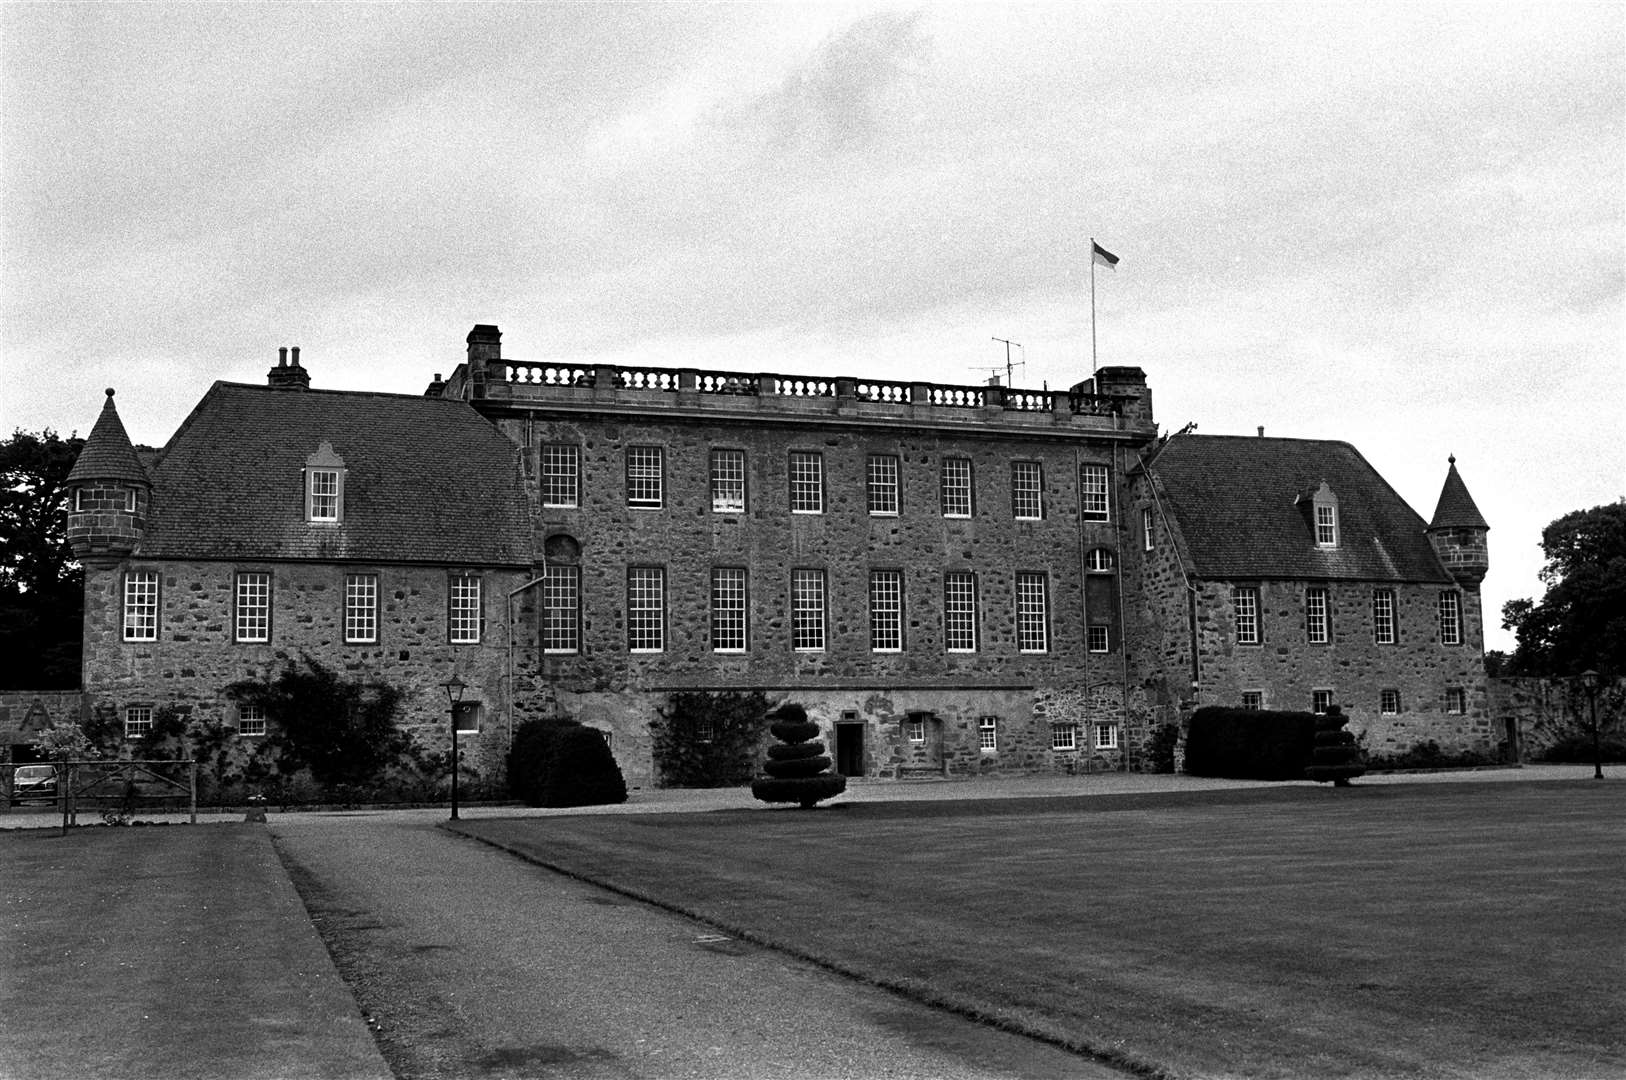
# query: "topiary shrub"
[[581, 770], [1249, 744], [796, 768], [1335, 758], [530, 753]]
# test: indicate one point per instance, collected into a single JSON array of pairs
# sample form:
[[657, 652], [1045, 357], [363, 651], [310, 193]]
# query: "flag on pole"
[[1102, 256]]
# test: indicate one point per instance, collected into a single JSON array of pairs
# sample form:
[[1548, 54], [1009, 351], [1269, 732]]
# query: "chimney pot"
[[282, 356], [296, 356], [1261, 431]]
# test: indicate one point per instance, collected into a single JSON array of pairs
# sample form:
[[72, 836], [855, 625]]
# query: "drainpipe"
[[513, 593]]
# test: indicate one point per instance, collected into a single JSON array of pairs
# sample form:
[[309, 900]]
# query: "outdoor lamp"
[[454, 688], [1589, 679]]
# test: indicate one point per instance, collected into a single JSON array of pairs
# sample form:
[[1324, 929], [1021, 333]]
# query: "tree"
[[41, 587], [1580, 623]]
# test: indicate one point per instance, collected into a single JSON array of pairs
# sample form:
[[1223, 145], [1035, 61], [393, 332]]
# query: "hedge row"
[[1250, 744]]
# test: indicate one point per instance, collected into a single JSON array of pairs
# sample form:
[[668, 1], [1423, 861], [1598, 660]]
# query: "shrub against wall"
[[708, 739], [1160, 746], [1249, 744], [559, 762]]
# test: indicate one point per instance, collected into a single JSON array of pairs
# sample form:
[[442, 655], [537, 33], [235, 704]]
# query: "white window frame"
[[1456, 701], [1098, 638], [1094, 483], [137, 720], [251, 607], [1326, 525], [561, 475], [1450, 612], [1064, 736], [1245, 613], [326, 487], [646, 478], [955, 489], [988, 734], [1099, 561], [806, 482], [915, 729], [960, 612], [250, 721], [1322, 700], [728, 481], [1107, 733], [1317, 616], [881, 488], [360, 609], [646, 609], [1148, 529], [1032, 613], [886, 611], [465, 611], [807, 610], [1383, 617], [730, 626], [561, 609], [141, 605], [1389, 702], [1027, 490]]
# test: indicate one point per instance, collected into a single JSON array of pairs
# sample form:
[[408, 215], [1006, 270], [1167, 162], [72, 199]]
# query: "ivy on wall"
[[709, 738]]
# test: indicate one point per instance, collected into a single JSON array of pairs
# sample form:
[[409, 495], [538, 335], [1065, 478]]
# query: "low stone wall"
[[24, 713], [1541, 712]]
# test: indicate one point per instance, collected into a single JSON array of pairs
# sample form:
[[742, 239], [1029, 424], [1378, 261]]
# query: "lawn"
[[1453, 930]]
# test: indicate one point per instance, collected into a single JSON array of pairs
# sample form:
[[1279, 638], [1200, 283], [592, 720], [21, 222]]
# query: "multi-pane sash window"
[[251, 720], [960, 612], [1064, 736], [561, 609], [1106, 736], [988, 734], [1245, 610], [1320, 700], [360, 608], [253, 621], [886, 610], [881, 486], [728, 609], [728, 481], [916, 729], [1253, 699], [1316, 623], [561, 474], [1098, 561], [1450, 619], [1389, 702], [1326, 525], [956, 487], [646, 609], [807, 610], [1032, 614], [806, 482], [1092, 492], [324, 502], [1383, 616], [1148, 529], [1456, 700], [1027, 490], [1098, 639], [141, 606], [644, 477], [463, 609], [137, 721]]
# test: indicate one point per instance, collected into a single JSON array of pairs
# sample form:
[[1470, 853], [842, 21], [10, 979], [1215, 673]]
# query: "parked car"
[[33, 782]]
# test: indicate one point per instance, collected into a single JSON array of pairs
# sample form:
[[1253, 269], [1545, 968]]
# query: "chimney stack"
[[288, 375]]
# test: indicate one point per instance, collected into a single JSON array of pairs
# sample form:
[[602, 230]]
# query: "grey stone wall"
[[1533, 714]]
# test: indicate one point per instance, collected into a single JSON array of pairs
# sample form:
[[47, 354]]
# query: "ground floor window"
[[1456, 700], [1064, 736], [1253, 699], [988, 734], [137, 721], [1106, 735], [916, 729], [1389, 702], [251, 720], [1320, 700]]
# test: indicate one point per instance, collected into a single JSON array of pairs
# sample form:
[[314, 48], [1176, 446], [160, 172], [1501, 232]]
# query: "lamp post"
[[454, 694], [1589, 679]]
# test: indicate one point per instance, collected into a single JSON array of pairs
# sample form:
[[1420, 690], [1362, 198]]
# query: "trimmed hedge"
[[1249, 744], [559, 762]]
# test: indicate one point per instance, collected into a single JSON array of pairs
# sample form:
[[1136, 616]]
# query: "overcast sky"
[[1395, 225]]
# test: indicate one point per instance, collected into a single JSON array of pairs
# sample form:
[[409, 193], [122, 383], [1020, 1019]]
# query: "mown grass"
[[1456, 930]]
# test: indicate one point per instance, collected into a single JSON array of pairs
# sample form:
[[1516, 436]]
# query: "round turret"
[[1458, 532], [107, 493]]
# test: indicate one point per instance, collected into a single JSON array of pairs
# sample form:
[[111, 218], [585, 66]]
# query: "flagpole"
[[1094, 364]]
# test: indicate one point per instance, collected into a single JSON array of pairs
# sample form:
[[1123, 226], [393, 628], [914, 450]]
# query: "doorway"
[[850, 749]]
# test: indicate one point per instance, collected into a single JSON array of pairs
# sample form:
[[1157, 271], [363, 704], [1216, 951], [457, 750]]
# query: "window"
[[137, 721], [988, 734], [1456, 700], [1326, 525], [561, 609], [806, 482], [250, 720], [807, 610], [561, 474], [1320, 701], [1315, 616], [956, 488], [728, 481], [1098, 561], [1450, 619], [1092, 492], [915, 728], [360, 608], [960, 612], [1245, 610], [253, 621], [324, 494], [728, 609], [1098, 639], [645, 471], [1027, 490], [463, 609], [882, 485], [1064, 736], [705, 728], [1389, 702], [1106, 735], [141, 606], [1253, 699], [886, 610], [1383, 616], [1148, 529], [1032, 614], [646, 609]]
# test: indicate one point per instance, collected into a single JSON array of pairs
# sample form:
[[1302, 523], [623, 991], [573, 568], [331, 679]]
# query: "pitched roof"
[[424, 481], [1237, 502], [107, 453], [1456, 509]]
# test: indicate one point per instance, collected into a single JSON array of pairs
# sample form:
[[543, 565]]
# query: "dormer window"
[[1323, 515], [324, 486]]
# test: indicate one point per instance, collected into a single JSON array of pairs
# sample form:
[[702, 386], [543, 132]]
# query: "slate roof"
[[107, 453], [1234, 498], [1456, 509], [425, 481]]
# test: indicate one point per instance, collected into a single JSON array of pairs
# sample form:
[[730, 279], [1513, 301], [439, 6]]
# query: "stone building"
[[951, 579]]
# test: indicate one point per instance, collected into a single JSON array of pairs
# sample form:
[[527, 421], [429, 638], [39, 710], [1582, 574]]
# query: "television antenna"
[[1009, 369]]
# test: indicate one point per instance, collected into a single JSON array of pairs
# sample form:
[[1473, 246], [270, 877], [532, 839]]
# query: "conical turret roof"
[[107, 453], [1456, 509]]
